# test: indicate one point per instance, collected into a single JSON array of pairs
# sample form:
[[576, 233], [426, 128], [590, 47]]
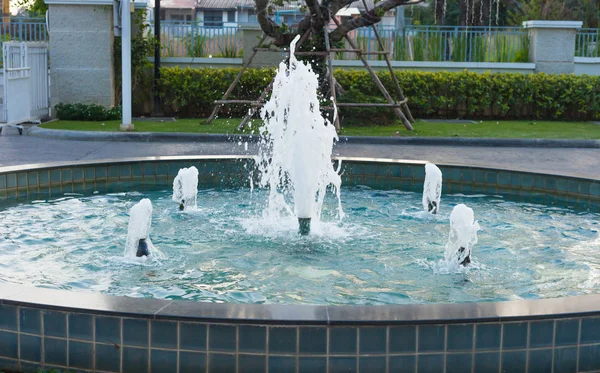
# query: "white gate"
[[25, 84]]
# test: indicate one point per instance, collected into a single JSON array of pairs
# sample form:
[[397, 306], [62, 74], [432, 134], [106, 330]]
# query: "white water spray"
[[296, 145], [140, 220], [185, 188], [432, 188], [462, 237]]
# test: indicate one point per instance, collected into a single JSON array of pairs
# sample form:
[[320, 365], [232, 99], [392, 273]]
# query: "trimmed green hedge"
[[91, 112], [191, 93]]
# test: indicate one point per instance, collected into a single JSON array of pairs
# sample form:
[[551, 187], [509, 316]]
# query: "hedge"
[[191, 92]]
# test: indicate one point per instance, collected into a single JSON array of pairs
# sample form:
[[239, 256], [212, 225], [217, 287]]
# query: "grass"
[[492, 129]]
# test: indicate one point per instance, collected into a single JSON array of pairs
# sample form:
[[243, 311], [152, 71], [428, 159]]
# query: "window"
[[252, 16], [231, 16], [213, 18]]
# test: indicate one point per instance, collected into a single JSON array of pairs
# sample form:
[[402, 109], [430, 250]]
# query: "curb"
[[364, 140]]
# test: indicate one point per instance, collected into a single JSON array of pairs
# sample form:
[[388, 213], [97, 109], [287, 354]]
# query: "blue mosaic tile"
[[192, 362], [595, 189], [550, 183], [22, 179], [252, 338], [460, 337], [342, 341], [164, 334], [418, 173], [30, 320], [452, 174], [431, 338], [567, 332], [66, 175], [34, 367], [135, 332], [341, 364], [561, 184], [11, 180], [565, 360], [406, 172], [514, 361], [312, 365], [541, 333], [372, 364], [358, 169], [136, 170], [584, 187], [162, 361], [282, 340], [503, 178], [2, 181], [8, 317], [488, 336], [282, 364], [31, 348], [77, 174], [161, 169], [81, 355], [403, 339], [89, 174], [112, 172], [32, 178], [55, 351], [458, 363], [589, 358], [108, 329], [491, 177], [590, 330], [539, 182], [313, 341], [9, 347], [192, 336], [395, 171], [370, 169], [515, 180], [124, 171], [487, 362], [135, 360], [403, 364], [430, 363], [222, 338], [9, 363], [515, 336], [148, 169], [108, 358], [252, 363], [373, 340], [80, 327], [540, 361]]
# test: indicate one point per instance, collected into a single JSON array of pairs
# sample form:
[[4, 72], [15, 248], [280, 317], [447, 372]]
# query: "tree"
[[34, 7]]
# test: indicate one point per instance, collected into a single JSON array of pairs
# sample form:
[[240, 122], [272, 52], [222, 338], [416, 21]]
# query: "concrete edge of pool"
[[81, 332]]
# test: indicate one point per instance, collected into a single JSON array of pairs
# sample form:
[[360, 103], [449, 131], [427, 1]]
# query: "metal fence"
[[23, 29], [587, 43], [445, 43], [198, 40]]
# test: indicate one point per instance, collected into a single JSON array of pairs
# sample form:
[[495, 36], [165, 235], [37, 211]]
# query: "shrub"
[[91, 112], [192, 92]]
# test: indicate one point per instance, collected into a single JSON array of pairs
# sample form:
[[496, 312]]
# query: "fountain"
[[138, 242], [462, 237], [295, 150], [185, 188], [432, 188]]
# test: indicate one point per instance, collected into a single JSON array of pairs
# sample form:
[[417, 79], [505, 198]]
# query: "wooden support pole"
[[380, 85], [260, 103], [233, 85]]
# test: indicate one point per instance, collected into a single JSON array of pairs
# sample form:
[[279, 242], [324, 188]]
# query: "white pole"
[[126, 61]]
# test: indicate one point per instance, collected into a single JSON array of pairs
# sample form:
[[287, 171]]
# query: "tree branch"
[[369, 18]]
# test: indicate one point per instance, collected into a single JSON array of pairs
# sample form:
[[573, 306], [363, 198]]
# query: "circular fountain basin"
[[372, 283]]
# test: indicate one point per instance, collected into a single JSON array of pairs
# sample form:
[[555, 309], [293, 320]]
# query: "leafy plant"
[[86, 112], [195, 45], [230, 50]]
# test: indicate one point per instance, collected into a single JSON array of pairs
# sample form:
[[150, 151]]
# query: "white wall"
[[587, 66]]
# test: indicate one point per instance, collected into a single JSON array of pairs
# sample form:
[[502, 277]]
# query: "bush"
[[192, 92], [91, 112]]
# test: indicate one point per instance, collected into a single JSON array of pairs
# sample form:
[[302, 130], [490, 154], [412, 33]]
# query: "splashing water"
[[140, 220], [462, 237], [295, 150], [185, 188], [432, 188]]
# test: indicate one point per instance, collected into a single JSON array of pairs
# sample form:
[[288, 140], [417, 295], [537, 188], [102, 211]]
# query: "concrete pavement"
[[15, 150]]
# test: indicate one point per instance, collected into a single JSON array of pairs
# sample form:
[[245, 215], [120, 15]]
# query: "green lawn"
[[493, 129]]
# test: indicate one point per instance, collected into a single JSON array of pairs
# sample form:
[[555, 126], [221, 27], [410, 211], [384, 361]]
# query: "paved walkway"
[[16, 150]]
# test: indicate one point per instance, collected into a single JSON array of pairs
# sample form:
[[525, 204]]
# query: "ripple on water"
[[385, 251]]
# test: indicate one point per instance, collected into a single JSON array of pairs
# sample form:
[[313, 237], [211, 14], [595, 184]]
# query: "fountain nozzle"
[[142, 248], [304, 226], [182, 205]]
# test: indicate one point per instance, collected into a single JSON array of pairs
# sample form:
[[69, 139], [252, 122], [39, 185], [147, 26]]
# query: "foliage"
[[194, 45], [192, 92], [34, 7], [229, 50], [86, 112], [142, 45], [587, 11]]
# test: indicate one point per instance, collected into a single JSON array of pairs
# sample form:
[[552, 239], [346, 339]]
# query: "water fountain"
[[432, 188], [462, 237], [185, 188], [138, 242], [297, 142]]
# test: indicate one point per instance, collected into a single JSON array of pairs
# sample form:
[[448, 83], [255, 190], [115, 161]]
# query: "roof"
[[224, 4], [174, 4]]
